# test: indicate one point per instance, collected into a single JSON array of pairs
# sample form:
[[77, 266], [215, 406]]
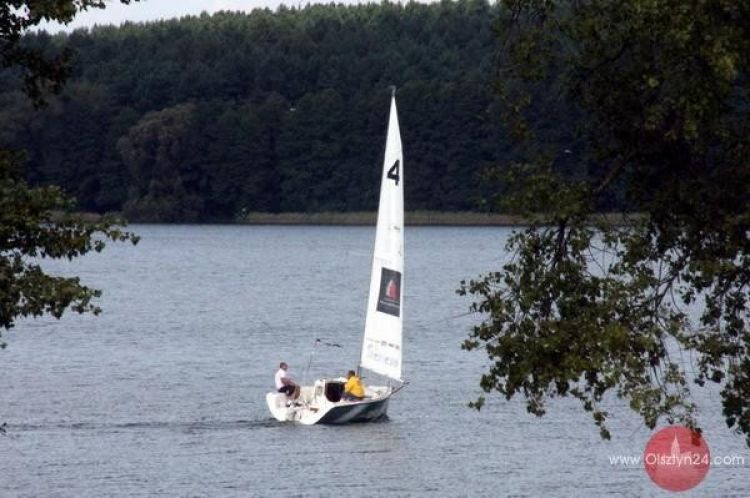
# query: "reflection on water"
[[164, 393]]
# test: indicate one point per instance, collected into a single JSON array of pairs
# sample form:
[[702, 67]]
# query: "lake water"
[[163, 394]]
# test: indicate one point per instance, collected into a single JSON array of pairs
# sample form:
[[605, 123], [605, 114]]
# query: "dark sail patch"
[[389, 299]]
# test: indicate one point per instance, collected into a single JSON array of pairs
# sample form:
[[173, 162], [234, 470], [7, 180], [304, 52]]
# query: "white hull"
[[313, 407]]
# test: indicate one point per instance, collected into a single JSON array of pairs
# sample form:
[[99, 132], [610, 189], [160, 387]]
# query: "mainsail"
[[381, 348]]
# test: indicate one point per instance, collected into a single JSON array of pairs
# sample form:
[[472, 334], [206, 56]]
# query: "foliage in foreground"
[[585, 309], [35, 223]]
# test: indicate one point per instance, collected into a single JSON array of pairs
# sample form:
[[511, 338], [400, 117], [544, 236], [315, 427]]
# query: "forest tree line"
[[205, 118]]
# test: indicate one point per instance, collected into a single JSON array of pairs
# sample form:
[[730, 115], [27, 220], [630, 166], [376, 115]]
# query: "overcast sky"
[[151, 10]]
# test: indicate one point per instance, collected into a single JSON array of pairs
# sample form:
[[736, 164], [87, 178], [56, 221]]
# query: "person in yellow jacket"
[[353, 389]]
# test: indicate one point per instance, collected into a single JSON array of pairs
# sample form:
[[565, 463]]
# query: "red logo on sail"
[[389, 299], [391, 290]]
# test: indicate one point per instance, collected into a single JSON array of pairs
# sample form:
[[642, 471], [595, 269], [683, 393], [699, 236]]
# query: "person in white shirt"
[[284, 383]]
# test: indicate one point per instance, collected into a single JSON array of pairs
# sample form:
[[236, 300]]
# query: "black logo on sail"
[[389, 299]]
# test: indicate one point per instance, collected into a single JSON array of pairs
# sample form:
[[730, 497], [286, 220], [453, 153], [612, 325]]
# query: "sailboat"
[[322, 402]]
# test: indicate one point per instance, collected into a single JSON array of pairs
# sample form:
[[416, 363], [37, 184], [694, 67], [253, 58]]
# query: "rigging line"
[[403, 385], [309, 362], [318, 341]]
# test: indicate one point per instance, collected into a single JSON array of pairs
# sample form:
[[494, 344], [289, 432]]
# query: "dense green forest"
[[207, 117]]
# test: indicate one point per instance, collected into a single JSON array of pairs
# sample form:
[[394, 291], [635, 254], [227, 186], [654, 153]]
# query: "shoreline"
[[366, 218], [414, 218], [369, 218]]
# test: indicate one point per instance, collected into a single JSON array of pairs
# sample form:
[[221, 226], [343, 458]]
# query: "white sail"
[[381, 348]]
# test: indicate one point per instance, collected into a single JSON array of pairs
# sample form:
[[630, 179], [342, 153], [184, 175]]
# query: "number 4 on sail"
[[323, 403]]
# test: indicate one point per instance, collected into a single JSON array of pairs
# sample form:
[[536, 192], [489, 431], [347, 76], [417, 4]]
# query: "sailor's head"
[[283, 366], [350, 374]]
